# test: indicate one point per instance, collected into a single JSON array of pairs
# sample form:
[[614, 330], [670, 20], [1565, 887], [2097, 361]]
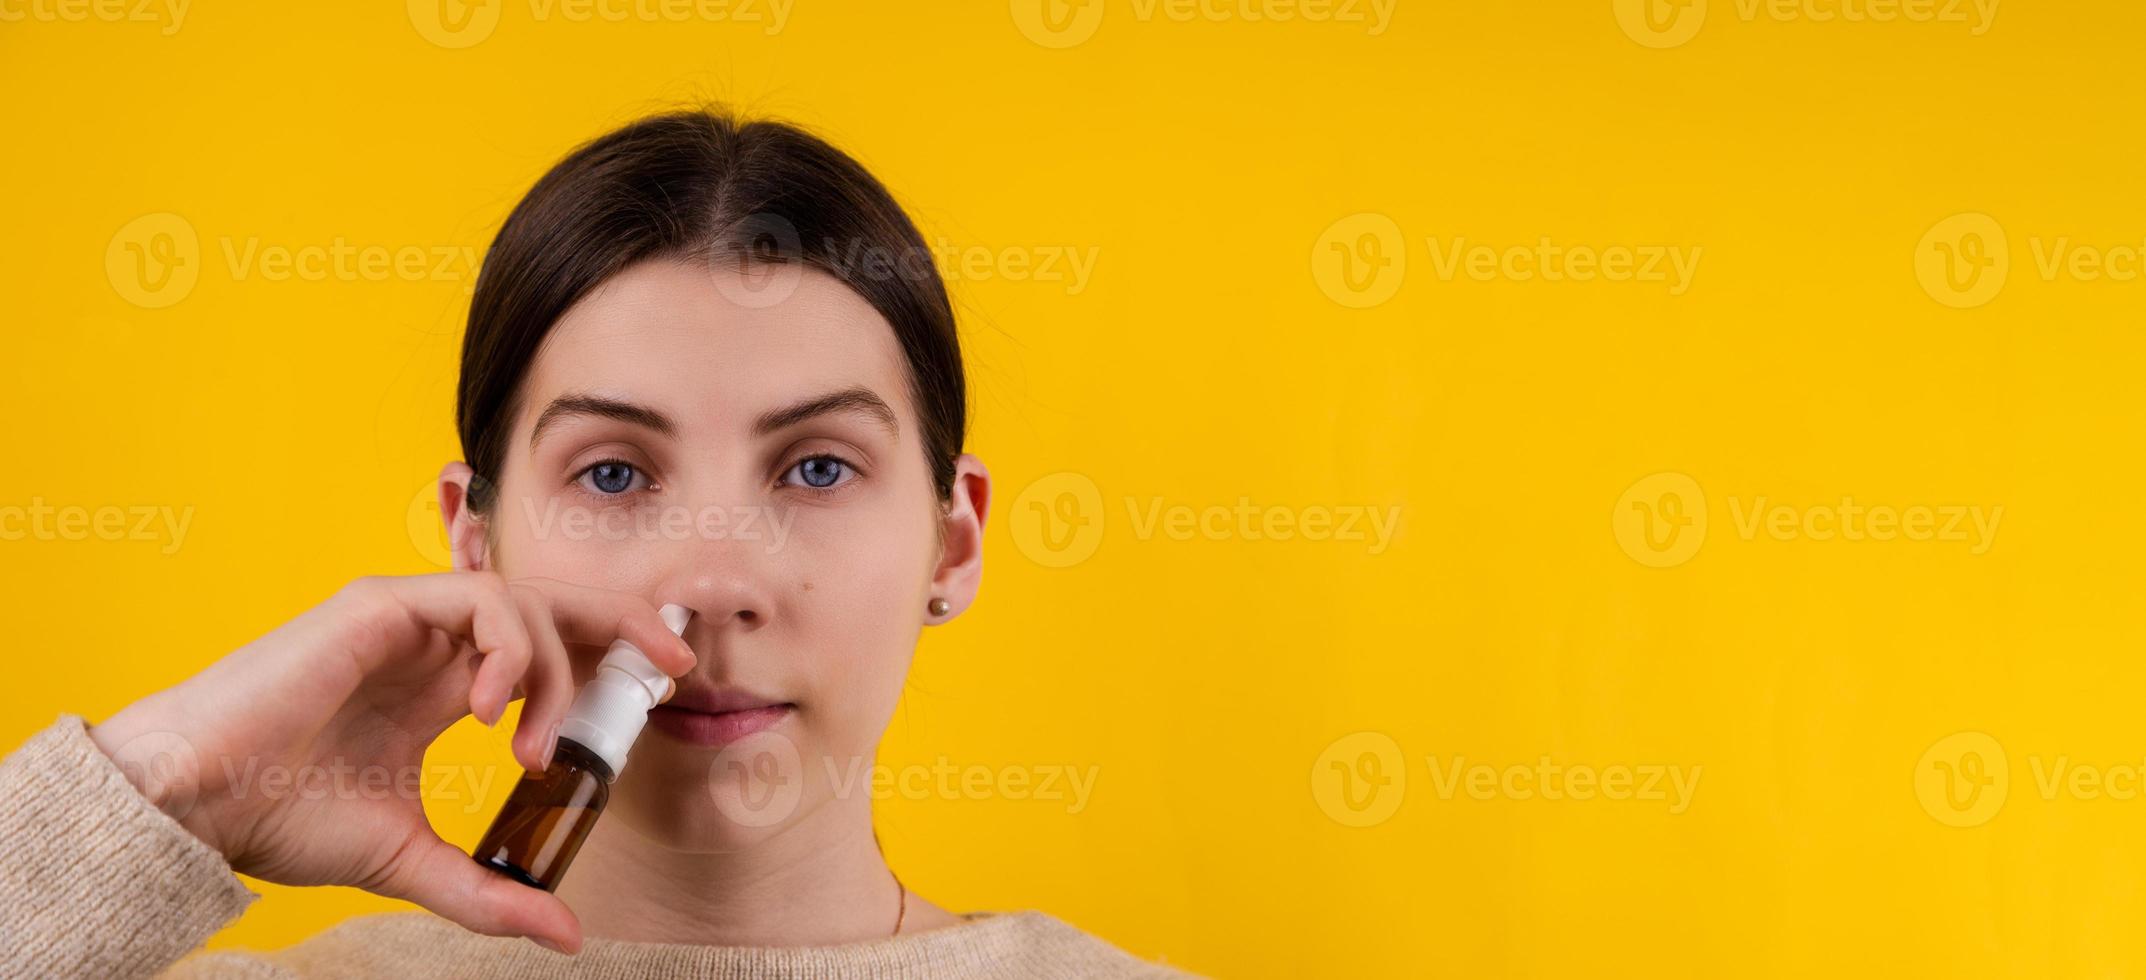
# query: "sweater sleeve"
[[96, 881]]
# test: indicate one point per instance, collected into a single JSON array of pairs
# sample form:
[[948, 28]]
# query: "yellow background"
[[1212, 357]]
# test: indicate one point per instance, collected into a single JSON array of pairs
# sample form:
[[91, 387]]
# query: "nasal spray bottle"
[[550, 813]]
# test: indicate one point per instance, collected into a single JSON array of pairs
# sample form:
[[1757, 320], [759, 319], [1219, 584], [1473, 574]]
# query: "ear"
[[961, 558], [465, 529]]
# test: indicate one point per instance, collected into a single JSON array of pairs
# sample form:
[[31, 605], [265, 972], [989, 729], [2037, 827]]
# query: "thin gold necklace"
[[903, 911]]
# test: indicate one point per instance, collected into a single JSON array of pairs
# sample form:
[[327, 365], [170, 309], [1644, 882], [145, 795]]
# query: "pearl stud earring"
[[939, 607]]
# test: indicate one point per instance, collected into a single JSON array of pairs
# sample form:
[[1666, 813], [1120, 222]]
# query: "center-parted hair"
[[701, 186]]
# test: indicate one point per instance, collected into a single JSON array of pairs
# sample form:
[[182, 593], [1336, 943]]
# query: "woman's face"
[[682, 437]]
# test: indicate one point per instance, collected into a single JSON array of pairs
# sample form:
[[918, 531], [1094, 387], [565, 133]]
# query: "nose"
[[722, 583]]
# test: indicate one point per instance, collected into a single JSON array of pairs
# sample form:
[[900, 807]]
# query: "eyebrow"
[[859, 400], [596, 406]]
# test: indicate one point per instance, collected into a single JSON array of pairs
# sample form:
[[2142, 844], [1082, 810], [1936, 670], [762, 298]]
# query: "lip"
[[717, 700], [715, 717]]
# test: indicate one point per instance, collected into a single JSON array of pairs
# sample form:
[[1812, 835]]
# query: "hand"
[[368, 679]]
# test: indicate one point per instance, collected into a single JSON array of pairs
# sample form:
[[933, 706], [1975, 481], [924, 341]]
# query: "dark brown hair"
[[702, 186]]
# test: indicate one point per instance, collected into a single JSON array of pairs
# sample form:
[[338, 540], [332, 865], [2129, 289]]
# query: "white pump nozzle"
[[611, 709]]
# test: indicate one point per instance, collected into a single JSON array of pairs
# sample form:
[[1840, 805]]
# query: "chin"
[[702, 798]]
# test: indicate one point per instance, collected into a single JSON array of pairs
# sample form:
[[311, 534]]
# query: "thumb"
[[444, 879]]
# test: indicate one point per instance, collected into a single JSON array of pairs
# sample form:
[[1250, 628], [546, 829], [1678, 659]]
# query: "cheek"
[[861, 565], [539, 536], [620, 566], [852, 609]]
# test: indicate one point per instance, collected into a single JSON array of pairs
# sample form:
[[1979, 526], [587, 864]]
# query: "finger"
[[476, 605], [595, 617], [548, 687], [440, 877]]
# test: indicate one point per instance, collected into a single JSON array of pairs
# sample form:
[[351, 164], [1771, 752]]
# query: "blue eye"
[[819, 472], [610, 478]]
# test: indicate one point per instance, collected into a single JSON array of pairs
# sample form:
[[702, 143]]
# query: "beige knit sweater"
[[96, 882]]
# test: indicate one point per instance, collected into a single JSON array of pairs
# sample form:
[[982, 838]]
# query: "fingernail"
[[548, 944], [551, 743]]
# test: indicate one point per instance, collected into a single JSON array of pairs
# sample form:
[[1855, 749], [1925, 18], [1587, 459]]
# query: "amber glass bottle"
[[550, 813], [547, 817]]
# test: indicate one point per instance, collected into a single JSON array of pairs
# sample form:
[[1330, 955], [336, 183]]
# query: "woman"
[[708, 364]]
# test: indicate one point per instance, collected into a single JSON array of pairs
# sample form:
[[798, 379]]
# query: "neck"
[[819, 881]]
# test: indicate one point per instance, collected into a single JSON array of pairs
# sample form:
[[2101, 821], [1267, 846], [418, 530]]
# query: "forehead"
[[715, 346]]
